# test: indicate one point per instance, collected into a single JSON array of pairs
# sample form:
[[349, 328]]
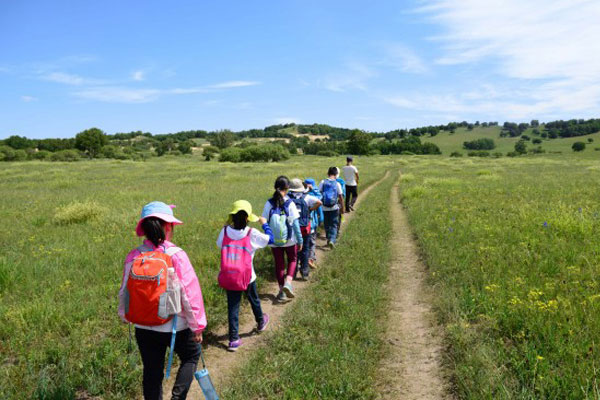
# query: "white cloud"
[[118, 94], [70, 79], [233, 84], [552, 48], [403, 58], [354, 76], [28, 99], [138, 75]]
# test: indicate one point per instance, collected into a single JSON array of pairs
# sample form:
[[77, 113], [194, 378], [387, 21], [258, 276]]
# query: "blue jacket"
[[317, 216]]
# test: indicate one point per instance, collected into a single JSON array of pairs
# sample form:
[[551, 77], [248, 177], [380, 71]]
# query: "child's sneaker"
[[287, 289], [331, 245], [281, 297], [233, 346], [263, 325]]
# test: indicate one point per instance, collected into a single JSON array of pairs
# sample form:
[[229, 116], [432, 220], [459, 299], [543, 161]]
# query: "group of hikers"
[[160, 293]]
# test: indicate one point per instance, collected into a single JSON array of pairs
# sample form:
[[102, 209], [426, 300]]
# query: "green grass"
[[513, 246], [450, 142], [67, 230], [330, 343]]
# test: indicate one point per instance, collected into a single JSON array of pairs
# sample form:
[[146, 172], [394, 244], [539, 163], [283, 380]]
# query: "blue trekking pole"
[[173, 333], [204, 380]]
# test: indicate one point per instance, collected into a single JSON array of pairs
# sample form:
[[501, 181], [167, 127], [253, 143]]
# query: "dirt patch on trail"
[[411, 368], [222, 363]]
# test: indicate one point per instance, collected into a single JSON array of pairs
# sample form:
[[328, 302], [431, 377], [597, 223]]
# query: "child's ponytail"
[[281, 183], [154, 231]]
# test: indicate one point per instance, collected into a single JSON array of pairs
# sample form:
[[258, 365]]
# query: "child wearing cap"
[[156, 224], [236, 230], [305, 204]]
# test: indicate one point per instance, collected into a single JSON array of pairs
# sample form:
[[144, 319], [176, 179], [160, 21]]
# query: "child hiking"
[[333, 205], [317, 218], [282, 216], [305, 204], [238, 242], [343, 185], [161, 295]]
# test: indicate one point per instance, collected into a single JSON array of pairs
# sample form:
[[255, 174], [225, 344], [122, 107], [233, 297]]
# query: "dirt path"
[[220, 362], [411, 368]]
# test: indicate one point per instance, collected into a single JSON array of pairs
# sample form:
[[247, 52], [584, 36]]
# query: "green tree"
[[19, 142], [520, 147], [578, 146], [358, 142], [223, 139], [91, 141]]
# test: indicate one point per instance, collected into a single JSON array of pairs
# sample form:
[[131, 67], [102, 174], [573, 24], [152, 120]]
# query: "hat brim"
[[251, 217], [299, 190], [165, 217]]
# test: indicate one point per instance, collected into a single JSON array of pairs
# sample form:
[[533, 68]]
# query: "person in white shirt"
[[351, 176], [333, 202], [237, 230]]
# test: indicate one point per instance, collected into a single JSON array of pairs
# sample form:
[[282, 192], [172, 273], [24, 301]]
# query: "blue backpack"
[[302, 209], [330, 193], [278, 221], [316, 215]]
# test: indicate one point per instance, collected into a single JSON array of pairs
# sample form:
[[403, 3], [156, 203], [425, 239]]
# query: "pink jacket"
[[191, 294]]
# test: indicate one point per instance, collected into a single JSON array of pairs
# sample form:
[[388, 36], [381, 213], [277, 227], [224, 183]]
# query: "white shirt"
[[258, 240], [350, 172], [310, 201], [340, 192], [293, 215]]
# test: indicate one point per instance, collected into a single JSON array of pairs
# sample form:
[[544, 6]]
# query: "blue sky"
[[66, 66]]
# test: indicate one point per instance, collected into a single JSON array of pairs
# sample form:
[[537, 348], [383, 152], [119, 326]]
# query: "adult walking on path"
[[350, 173], [333, 202]]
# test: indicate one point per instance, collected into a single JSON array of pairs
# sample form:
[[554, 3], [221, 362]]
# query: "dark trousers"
[[332, 219], [234, 298], [303, 257], [351, 196], [153, 346]]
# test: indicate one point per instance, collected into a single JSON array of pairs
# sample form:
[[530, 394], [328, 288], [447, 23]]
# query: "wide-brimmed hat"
[[159, 210], [296, 185], [243, 205]]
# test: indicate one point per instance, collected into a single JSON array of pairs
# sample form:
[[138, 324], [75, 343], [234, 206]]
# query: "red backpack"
[[152, 295], [236, 262]]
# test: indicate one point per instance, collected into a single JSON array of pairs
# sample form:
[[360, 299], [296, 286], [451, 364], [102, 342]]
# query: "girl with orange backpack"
[[238, 242], [161, 295]]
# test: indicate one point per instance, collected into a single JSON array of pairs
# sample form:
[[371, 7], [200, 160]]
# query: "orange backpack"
[[152, 294]]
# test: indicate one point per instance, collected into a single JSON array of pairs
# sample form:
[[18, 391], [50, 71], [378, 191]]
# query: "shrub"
[[537, 150], [78, 212], [231, 154], [497, 154], [578, 146], [41, 155], [478, 153], [327, 153], [525, 137], [7, 153], [537, 141], [590, 140], [456, 154], [512, 154], [521, 147], [480, 144], [20, 155], [65, 155], [209, 152]]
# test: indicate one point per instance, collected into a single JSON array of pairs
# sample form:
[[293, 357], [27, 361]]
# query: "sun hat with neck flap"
[[297, 186], [159, 210]]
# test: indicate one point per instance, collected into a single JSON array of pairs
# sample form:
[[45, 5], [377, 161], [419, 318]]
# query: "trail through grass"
[[330, 343]]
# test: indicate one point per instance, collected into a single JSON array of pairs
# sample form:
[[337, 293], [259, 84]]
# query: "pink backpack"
[[236, 262]]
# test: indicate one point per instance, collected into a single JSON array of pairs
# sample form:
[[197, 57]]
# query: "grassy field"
[[330, 345], [68, 228], [513, 247], [450, 142]]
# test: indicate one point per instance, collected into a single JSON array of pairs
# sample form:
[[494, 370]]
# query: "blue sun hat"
[[159, 210], [310, 181]]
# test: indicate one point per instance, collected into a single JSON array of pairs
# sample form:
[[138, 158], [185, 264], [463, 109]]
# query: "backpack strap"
[[170, 251], [144, 248]]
